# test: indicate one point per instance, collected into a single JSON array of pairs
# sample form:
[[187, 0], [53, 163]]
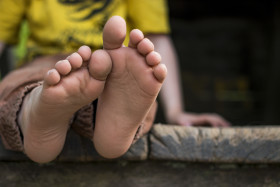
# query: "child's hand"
[[205, 119]]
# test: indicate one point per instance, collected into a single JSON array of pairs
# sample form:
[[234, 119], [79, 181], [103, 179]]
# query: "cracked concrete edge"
[[169, 142], [78, 148], [208, 144]]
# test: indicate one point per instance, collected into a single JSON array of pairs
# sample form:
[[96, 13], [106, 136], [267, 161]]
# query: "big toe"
[[114, 33], [100, 65]]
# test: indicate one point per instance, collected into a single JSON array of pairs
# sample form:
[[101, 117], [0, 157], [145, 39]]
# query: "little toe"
[[52, 77], [85, 52], [145, 46], [63, 67], [135, 37], [153, 58], [75, 60], [160, 72], [114, 33], [100, 65]]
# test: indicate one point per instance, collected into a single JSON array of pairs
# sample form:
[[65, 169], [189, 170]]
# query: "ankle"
[[22, 117]]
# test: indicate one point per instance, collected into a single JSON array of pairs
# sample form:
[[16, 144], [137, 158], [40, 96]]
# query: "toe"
[[153, 58], [100, 65], [52, 77], [63, 67], [114, 33], [145, 46], [160, 72], [75, 60], [135, 37], [85, 52]]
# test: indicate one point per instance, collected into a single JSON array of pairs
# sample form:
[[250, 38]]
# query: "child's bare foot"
[[131, 88], [48, 109]]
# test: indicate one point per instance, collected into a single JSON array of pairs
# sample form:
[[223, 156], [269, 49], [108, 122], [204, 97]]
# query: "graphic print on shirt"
[[93, 7], [87, 18]]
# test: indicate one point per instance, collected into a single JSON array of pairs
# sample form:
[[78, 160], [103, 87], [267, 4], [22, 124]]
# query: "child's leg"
[[47, 111], [13, 88], [130, 90]]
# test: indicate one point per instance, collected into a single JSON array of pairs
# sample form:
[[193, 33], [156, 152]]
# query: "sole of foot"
[[48, 109], [130, 90]]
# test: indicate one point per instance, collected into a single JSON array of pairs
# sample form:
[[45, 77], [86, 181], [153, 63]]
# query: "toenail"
[[62, 61], [70, 56], [59, 62], [75, 54], [84, 46], [51, 71]]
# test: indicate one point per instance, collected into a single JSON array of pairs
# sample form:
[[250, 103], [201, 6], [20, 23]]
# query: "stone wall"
[[189, 144], [168, 156]]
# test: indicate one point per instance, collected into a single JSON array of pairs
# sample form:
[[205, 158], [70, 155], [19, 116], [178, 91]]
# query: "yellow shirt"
[[61, 26]]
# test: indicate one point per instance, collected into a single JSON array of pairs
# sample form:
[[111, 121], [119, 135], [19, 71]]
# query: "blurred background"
[[229, 53]]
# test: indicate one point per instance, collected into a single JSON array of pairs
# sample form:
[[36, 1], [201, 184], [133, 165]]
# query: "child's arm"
[[171, 92]]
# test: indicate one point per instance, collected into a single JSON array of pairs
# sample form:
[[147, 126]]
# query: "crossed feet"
[[126, 81]]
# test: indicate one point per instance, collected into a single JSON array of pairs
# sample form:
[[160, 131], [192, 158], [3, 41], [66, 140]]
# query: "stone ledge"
[[81, 149], [234, 145], [190, 144], [78, 148], [138, 174]]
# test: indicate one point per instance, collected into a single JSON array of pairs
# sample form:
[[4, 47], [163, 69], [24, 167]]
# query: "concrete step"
[[175, 143]]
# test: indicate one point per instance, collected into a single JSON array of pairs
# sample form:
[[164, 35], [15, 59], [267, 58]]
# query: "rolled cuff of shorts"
[[10, 132], [84, 122], [139, 133]]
